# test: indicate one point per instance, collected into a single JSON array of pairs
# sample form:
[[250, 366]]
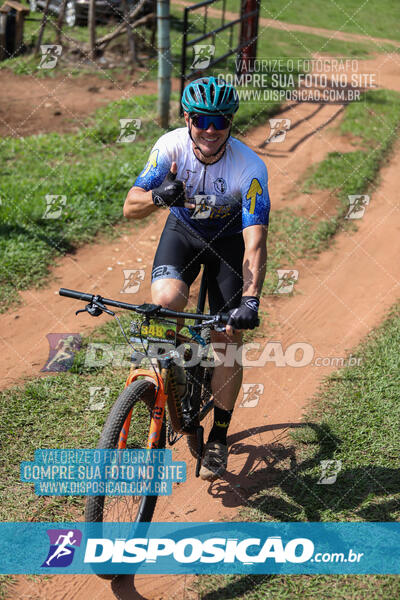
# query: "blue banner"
[[155, 548]]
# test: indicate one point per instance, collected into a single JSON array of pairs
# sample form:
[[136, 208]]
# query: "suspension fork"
[[158, 410]]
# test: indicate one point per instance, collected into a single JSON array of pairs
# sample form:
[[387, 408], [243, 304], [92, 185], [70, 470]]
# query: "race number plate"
[[158, 331]]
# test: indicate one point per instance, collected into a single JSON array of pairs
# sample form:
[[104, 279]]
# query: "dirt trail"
[[283, 26], [100, 268], [60, 103], [339, 298]]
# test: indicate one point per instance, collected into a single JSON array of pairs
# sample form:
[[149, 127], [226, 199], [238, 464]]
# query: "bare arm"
[[138, 204], [255, 259]]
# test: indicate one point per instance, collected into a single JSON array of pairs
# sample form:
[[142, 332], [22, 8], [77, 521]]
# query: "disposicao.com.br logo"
[[216, 550], [190, 550]]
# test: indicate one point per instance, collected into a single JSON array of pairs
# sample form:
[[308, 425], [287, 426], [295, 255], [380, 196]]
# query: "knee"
[[169, 296]]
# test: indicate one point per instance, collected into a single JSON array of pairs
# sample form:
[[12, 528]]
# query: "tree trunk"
[[92, 29], [60, 21], [129, 32], [42, 26]]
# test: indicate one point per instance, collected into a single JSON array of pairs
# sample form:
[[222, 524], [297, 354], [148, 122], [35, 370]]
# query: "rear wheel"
[[139, 396]]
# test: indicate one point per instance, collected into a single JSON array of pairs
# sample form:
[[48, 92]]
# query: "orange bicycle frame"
[[157, 413]]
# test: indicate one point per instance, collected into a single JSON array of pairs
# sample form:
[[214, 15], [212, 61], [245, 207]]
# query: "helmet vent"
[[212, 92], [203, 93]]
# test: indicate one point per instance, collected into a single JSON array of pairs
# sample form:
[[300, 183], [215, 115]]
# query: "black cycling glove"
[[170, 193], [246, 315]]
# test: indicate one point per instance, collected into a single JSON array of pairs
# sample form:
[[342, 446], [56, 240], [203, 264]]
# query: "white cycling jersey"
[[230, 194]]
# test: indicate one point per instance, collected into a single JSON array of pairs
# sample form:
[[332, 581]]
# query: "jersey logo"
[[187, 175], [220, 185], [189, 186], [152, 162], [254, 190]]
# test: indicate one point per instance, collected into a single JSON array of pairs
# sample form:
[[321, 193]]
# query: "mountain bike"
[[185, 391]]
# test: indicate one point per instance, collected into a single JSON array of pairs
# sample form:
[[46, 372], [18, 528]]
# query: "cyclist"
[[216, 190]]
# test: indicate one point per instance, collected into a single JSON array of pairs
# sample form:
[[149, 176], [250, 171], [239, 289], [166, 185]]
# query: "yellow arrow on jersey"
[[152, 162], [254, 189]]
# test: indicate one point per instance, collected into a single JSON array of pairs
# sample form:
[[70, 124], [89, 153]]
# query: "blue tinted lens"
[[204, 121]]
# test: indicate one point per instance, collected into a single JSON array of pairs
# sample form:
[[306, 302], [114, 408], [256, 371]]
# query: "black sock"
[[222, 418]]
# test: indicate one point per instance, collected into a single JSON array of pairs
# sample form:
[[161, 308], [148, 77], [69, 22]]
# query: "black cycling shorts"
[[181, 252]]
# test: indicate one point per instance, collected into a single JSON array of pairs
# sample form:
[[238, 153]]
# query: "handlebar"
[[146, 309]]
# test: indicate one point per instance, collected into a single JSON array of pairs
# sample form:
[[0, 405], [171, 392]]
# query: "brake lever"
[[95, 308]]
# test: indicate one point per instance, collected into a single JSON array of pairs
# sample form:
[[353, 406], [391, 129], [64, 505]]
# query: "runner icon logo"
[[357, 206], [63, 347], [98, 397], [330, 470], [279, 128], [132, 280], [62, 547], [286, 280], [251, 394], [129, 129], [50, 55], [54, 206], [203, 54]]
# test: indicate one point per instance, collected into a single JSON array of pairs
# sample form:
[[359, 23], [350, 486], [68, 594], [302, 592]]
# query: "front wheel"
[[139, 397]]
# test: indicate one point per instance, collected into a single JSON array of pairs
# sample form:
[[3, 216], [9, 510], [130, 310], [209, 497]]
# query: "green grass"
[[354, 418], [54, 412], [292, 587], [90, 168], [374, 18], [372, 124]]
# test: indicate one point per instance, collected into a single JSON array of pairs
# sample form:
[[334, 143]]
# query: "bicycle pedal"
[[199, 448]]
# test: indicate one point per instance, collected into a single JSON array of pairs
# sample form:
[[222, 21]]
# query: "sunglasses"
[[219, 121]]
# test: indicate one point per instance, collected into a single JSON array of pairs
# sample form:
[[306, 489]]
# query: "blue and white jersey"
[[230, 195]]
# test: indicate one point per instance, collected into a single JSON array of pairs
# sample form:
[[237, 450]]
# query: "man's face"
[[209, 139]]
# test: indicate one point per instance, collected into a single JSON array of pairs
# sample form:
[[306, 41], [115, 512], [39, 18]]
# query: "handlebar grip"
[[224, 317], [76, 295]]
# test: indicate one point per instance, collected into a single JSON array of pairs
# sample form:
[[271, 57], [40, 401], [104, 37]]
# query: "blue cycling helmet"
[[210, 96]]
